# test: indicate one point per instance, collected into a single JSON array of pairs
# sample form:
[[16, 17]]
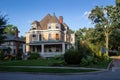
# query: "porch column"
[[42, 50], [63, 48], [24, 48]]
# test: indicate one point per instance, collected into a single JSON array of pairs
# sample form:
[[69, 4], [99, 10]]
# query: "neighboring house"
[[13, 42], [49, 37]]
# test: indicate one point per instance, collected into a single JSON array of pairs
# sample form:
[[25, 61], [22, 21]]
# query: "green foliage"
[[34, 55], [1, 55], [114, 39], [84, 62], [59, 57], [72, 56], [10, 29], [3, 22]]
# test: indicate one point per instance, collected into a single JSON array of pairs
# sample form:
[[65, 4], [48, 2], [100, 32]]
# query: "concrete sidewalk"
[[115, 63], [58, 67]]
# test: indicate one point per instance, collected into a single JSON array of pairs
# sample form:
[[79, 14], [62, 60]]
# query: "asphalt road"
[[107, 75]]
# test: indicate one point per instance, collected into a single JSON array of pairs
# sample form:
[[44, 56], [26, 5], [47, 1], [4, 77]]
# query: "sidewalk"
[[115, 63], [59, 67]]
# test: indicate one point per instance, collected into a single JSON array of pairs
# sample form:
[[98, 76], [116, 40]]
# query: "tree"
[[114, 39], [10, 29], [118, 3], [3, 22]]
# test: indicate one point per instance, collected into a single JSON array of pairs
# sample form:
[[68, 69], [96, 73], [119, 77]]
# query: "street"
[[107, 75]]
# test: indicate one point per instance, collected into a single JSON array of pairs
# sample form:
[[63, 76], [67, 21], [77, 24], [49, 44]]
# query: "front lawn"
[[40, 62], [49, 62]]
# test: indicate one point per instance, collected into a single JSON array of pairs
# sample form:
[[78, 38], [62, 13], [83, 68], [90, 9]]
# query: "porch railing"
[[51, 54]]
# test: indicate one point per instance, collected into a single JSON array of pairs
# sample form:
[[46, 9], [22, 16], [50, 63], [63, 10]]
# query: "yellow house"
[[49, 37]]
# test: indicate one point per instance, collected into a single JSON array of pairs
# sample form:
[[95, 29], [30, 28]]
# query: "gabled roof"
[[11, 37], [54, 19], [49, 19], [45, 21]]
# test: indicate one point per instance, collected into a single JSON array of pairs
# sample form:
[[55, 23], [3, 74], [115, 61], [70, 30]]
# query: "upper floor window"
[[33, 35], [40, 37], [49, 27], [49, 36], [57, 36], [57, 27]]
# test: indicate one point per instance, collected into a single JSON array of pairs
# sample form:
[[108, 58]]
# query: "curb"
[[110, 65]]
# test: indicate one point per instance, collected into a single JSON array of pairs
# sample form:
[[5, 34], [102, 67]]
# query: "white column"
[[23, 48], [42, 50], [68, 46], [63, 48]]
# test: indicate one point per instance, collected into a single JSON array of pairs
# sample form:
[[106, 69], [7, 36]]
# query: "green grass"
[[101, 65], [48, 62], [42, 62], [43, 70]]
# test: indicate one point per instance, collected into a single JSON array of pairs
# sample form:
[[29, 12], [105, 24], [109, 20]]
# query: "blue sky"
[[21, 13]]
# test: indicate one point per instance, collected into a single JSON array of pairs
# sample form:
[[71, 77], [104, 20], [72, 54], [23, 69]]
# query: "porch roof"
[[47, 42]]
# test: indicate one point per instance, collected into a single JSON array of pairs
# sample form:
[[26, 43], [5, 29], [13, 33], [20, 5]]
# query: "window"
[[57, 36], [40, 37], [57, 26], [34, 26], [49, 27], [49, 36], [33, 35]]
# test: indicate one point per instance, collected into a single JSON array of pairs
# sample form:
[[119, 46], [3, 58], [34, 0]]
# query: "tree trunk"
[[107, 42]]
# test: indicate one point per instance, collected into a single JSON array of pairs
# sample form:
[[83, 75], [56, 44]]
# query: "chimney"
[[61, 19], [16, 32]]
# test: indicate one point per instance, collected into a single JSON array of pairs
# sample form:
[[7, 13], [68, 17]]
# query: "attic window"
[[34, 26], [49, 27], [57, 26]]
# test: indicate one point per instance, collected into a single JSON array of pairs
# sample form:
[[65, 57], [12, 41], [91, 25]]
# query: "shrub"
[[59, 57], [58, 63], [1, 55], [72, 56], [84, 62], [34, 55]]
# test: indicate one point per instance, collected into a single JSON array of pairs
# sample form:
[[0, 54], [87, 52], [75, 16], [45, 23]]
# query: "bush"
[[58, 63], [34, 55], [72, 56], [84, 62], [59, 57], [1, 55]]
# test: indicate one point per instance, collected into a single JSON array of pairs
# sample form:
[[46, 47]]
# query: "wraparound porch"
[[49, 49]]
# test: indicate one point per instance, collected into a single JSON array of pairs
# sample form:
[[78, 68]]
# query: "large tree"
[[10, 29], [3, 22], [106, 19]]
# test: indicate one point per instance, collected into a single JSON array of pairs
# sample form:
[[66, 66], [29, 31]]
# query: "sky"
[[22, 13]]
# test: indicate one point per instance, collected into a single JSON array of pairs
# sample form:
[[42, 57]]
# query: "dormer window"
[[34, 26], [57, 26], [49, 27]]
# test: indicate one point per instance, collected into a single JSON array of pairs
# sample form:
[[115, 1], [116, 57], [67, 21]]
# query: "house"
[[49, 37], [12, 43]]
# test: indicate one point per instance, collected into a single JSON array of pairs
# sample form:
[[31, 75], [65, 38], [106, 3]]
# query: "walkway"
[[115, 65]]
